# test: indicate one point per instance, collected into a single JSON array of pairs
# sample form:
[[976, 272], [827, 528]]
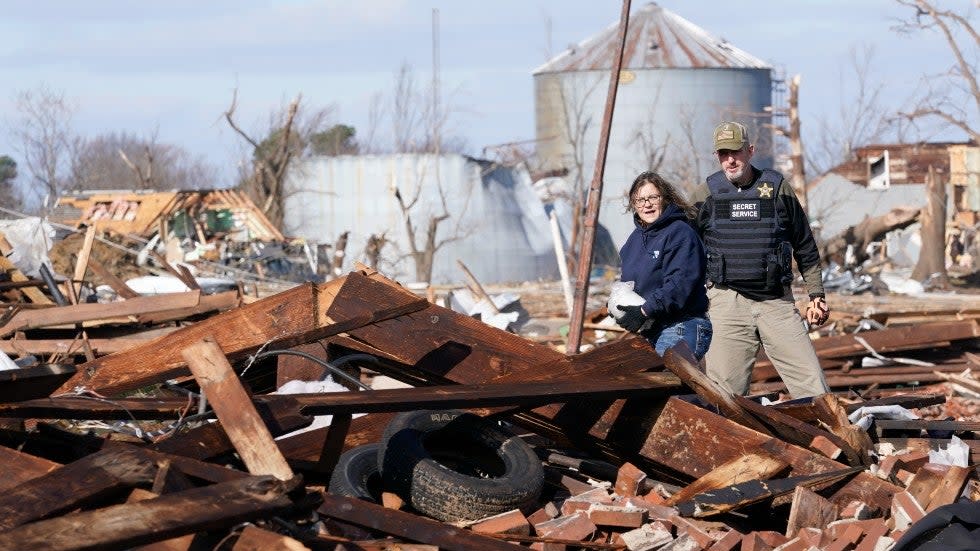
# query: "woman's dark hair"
[[668, 195]]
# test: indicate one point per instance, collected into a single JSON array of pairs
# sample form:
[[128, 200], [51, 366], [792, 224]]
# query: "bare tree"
[[932, 258], [861, 117], [287, 139], [9, 195], [951, 97], [652, 149], [373, 248], [576, 122], [419, 124], [119, 160], [43, 132]]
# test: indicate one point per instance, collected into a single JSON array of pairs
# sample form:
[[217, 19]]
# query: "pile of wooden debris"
[[176, 440]]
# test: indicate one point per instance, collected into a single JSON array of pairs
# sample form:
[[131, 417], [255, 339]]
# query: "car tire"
[[357, 475], [455, 466]]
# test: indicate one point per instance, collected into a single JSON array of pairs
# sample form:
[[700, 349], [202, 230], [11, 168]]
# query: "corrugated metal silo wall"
[[669, 112], [501, 226]]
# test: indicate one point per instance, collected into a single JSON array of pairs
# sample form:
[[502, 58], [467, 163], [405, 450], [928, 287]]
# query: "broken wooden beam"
[[727, 499], [409, 526], [68, 487], [19, 467], [81, 313], [244, 426], [302, 314], [682, 363], [694, 441], [882, 341], [751, 466], [219, 506], [490, 395]]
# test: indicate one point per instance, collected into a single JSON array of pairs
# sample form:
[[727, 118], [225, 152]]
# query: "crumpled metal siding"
[[505, 234], [656, 38]]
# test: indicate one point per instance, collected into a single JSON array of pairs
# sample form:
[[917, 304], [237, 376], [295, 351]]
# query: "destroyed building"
[[491, 218], [176, 438]]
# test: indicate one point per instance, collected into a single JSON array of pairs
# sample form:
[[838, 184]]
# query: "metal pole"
[[584, 267]]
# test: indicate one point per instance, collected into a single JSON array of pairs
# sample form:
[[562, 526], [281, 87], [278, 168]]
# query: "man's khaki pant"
[[741, 324]]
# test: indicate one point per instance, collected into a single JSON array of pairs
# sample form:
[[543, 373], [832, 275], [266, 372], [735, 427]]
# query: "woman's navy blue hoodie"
[[667, 263]]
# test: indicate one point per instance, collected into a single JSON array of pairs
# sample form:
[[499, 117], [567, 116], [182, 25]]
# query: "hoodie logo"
[[655, 254]]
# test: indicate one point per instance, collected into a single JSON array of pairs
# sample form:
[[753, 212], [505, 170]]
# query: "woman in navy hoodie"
[[665, 259]]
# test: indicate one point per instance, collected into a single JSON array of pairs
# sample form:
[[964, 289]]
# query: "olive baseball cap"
[[730, 135]]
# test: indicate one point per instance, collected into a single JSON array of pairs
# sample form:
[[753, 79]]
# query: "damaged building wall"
[[496, 223], [837, 203]]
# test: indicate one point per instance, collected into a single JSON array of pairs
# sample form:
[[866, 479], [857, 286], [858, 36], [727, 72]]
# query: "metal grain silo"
[[678, 81]]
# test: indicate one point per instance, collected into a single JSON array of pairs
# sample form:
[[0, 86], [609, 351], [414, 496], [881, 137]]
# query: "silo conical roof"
[[657, 38]]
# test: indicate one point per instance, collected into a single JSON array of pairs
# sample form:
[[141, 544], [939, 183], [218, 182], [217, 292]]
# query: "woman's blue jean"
[[695, 332]]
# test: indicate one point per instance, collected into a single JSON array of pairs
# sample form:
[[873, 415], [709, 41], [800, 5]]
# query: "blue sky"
[[171, 67]]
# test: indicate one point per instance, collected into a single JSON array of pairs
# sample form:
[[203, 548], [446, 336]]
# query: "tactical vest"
[[745, 240]]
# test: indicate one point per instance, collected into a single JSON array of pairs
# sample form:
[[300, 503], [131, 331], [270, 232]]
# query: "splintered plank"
[[882, 341], [486, 395], [797, 432], [48, 347], [19, 467], [727, 499], [926, 481], [302, 314], [809, 510], [214, 507], [231, 403], [750, 466], [79, 313], [949, 488], [66, 488], [81, 407], [181, 543], [694, 441], [681, 362], [409, 526], [217, 302]]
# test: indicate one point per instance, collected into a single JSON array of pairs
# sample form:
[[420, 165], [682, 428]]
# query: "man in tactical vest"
[[753, 226]]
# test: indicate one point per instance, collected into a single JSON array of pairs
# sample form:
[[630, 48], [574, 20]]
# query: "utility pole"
[[595, 196]]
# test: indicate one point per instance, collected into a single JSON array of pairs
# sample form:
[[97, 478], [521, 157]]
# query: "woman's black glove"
[[633, 319]]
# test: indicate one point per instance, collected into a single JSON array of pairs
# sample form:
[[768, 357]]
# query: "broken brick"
[[823, 445], [689, 527], [613, 515], [511, 522], [572, 527], [584, 500], [875, 531], [905, 511], [848, 538], [857, 510], [727, 542], [773, 539], [628, 480], [646, 538], [654, 511], [752, 542]]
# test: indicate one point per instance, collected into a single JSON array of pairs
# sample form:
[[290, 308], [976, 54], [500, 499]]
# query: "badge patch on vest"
[[745, 210]]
